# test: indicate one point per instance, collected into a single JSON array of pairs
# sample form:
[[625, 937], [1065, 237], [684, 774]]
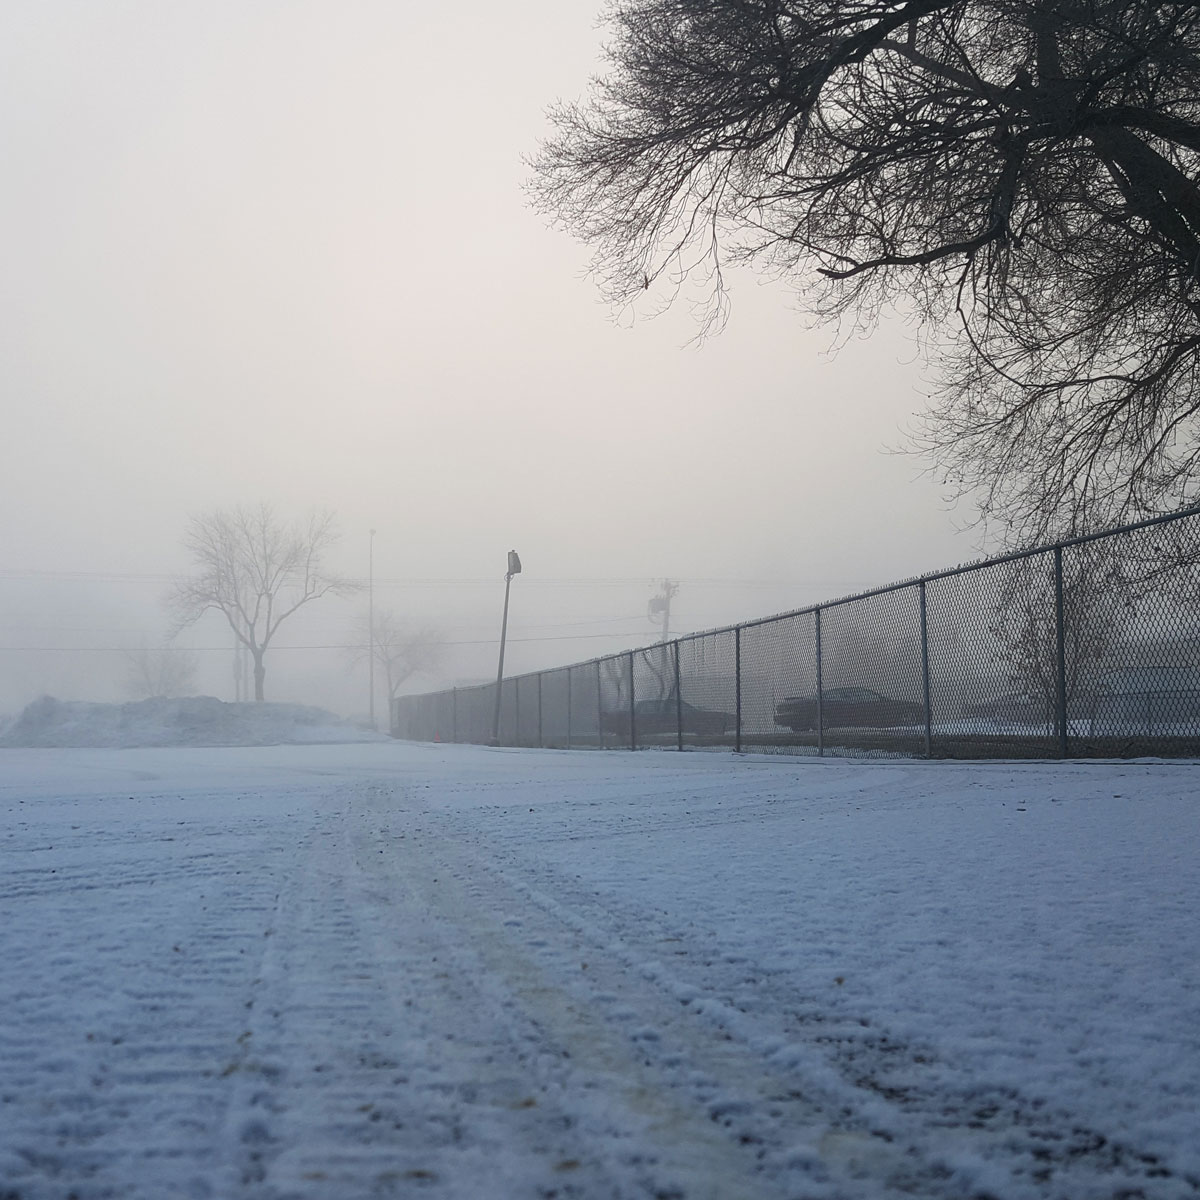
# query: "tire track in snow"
[[383, 1073], [894, 1114], [383, 1000], [711, 1115], [134, 991], [404, 1036]]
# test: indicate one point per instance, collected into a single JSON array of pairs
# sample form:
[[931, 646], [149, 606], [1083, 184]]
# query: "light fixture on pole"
[[514, 568], [371, 624]]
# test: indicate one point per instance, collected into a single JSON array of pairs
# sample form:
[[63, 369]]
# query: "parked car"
[[847, 707], [662, 716]]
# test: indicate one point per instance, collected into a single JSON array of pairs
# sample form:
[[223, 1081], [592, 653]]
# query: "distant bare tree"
[[160, 672], [401, 648], [256, 570]]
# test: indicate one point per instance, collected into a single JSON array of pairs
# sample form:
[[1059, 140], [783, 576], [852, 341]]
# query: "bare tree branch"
[[1022, 176], [401, 648]]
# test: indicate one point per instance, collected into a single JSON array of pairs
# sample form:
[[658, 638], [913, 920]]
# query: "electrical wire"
[[576, 637]]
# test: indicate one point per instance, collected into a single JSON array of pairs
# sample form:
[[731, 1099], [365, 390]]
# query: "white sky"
[[280, 251]]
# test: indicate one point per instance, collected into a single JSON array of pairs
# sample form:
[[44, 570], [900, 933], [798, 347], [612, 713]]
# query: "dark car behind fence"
[[1088, 648]]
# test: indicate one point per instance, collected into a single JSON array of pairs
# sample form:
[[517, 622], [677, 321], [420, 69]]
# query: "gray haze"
[[280, 251]]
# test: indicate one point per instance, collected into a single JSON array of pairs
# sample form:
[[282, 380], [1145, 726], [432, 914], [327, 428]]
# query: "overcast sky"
[[280, 251]]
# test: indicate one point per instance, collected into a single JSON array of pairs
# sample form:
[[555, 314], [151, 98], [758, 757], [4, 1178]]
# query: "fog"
[[280, 252]]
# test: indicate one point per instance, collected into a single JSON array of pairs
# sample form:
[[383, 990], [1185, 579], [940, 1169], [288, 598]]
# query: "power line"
[[137, 632], [446, 582], [568, 637], [152, 635]]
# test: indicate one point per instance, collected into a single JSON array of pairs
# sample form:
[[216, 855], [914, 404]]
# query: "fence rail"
[[1087, 648]]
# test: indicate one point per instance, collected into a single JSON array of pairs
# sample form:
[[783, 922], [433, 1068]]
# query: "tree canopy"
[[1019, 176], [256, 570], [401, 648]]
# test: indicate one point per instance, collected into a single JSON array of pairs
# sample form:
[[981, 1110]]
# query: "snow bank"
[[190, 721]]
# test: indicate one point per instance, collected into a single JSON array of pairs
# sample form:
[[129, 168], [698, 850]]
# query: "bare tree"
[[401, 648], [160, 672], [256, 571], [1019, 176], [1096, 592]]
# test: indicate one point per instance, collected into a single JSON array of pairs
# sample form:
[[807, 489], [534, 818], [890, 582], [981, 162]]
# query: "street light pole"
[[371, 623], [514, 568]]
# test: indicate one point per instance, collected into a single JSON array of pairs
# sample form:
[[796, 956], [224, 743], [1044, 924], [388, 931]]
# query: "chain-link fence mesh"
[[1090, 648], [872, 696], [585, 705], [528, 710], [475, 707], [709, 688], [992, 639], [616, 700], [556, 708], [779, 675]]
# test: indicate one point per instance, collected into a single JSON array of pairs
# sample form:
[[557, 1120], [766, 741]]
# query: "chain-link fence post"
[[678, 702], [541, 738], [454, 715], [820, 687], [632, 704], [599, 708], [737, 678], [1060, 629], [925, 675], [1060, 619], [570, 685]]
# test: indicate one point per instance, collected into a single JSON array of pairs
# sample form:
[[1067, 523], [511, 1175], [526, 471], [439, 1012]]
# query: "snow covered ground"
[[387, 969]]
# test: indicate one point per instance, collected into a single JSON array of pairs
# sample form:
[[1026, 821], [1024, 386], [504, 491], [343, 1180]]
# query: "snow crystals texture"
[[386, 969]]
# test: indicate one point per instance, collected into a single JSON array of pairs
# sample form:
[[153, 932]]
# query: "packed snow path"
[[341, 972]]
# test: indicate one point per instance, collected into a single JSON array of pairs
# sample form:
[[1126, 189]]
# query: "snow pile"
[[189, 721]]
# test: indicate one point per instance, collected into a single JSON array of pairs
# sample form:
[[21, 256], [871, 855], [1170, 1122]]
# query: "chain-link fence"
[[1090, 648]]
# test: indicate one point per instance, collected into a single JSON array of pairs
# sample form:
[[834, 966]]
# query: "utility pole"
[[659, 607]]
